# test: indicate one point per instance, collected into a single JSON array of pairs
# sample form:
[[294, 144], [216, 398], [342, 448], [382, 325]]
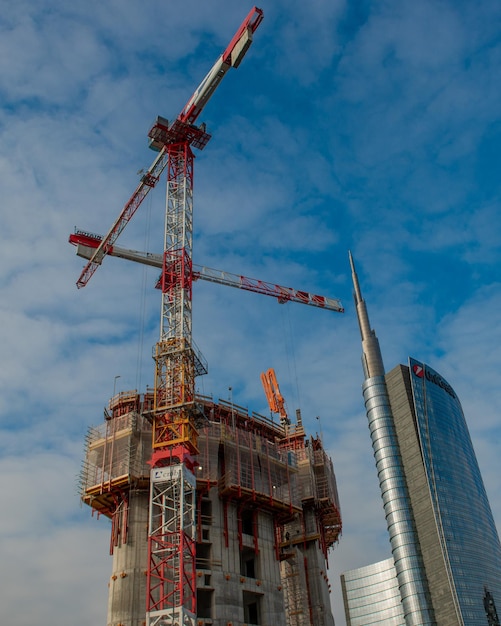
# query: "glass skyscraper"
[[445, 547]]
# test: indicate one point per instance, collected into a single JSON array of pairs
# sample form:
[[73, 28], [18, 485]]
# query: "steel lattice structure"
[[171, 585], [171, 581], [171, 589], [174, 355]]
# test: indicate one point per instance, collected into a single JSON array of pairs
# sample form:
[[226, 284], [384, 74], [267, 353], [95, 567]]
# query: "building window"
[[206, 512], [252, 608], [248, 563], [248, 521], [204, 603], [203, 556]]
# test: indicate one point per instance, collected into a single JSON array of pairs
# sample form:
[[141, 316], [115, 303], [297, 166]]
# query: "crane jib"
[[181, 131]]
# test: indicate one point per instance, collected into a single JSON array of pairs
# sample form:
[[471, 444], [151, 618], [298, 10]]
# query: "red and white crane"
[[171, 580]]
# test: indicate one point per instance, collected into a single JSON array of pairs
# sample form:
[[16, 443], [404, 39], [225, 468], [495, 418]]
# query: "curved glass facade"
[[409, 568], [464, 523]]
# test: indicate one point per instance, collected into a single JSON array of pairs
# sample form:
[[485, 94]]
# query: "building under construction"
[[266, 509]]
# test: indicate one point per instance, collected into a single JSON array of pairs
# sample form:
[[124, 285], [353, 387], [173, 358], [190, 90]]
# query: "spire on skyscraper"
[[372, 360]]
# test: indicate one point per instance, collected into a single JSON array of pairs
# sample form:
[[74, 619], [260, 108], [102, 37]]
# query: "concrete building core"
[[267, 514]]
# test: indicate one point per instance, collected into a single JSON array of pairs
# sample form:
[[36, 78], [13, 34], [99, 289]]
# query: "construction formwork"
[[115, 469], [266, 514], [117, 452], [254, 468]]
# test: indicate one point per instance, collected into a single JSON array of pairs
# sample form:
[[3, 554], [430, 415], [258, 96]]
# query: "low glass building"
[[371, 595]]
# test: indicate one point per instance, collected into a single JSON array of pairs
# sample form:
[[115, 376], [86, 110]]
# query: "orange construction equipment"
[[275, 398]]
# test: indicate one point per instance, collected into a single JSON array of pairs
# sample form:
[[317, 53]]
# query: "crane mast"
[[171, 582]]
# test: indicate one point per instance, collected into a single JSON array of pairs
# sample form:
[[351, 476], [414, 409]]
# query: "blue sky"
[[373, 127]]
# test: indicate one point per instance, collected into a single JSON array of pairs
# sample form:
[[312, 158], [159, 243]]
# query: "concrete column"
[[127, 595]]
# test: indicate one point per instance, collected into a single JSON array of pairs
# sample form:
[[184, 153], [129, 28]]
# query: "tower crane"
[[86, 243], [171, 581], [171, 574], [294, 435]]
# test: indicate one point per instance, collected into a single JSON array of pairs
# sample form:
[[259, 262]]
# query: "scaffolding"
[[253, 464], [327, 499], [253, 467], [294, 587], [117, 453], [262, 464]]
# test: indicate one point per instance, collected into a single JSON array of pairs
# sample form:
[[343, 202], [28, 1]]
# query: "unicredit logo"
[[420, 372]]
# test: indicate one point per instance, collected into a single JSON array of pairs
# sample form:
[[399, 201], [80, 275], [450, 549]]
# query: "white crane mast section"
[[178, 245]]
